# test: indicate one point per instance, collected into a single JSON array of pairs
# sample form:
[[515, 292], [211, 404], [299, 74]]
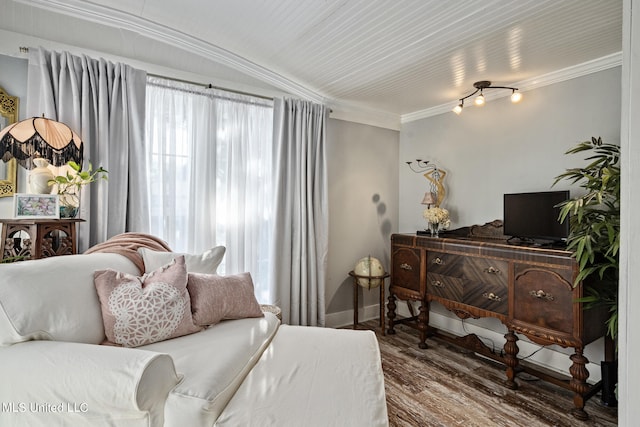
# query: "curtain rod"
[[24, 49], [210, 86]]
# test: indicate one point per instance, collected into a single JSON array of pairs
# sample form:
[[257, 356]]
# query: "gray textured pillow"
[[206, 263], [215, 298]]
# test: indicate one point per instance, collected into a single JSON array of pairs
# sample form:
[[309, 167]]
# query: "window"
[[209, 156]]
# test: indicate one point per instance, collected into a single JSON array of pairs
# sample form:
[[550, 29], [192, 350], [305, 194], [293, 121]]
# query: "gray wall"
[[13, 78], [504, 147], [363, 210]]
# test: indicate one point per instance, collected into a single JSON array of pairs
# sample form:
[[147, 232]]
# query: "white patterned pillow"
[[142, 310]]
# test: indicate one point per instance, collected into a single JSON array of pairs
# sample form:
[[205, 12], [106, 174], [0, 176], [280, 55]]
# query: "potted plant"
[[594, 231], [69, 185]]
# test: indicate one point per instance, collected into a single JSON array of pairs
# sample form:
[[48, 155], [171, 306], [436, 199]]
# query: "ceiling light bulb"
[[480, 100], [516, 96], [457, 109]]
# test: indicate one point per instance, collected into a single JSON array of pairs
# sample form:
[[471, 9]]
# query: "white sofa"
[[246, 372]]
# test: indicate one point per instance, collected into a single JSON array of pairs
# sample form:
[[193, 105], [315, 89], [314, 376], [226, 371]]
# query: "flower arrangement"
[[437, 215], [68, 186]]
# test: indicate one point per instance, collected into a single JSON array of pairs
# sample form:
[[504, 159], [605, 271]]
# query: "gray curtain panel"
[[301, 218], [104, 103]]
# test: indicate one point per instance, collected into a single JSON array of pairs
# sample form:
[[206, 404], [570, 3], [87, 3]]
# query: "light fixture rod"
[[485, 84]]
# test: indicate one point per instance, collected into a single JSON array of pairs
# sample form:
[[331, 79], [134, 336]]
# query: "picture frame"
[[36, 206]]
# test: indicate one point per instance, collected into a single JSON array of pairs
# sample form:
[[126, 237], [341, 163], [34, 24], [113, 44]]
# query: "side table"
[[24, 239], [355, 297]]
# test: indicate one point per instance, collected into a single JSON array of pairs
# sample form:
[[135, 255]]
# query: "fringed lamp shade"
[[40, 137]]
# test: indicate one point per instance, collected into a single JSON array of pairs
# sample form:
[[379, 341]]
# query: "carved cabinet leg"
[[391, 314], [579, 386], [423, 322], [510, 359]]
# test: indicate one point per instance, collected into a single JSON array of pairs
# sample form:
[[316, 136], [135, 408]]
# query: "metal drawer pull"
[[438, 261], [492, 270], [406, 266], [438, 284], [492, 296], [541, 295]]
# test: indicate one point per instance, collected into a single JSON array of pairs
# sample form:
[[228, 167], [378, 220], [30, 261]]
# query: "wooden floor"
[[444, 385]]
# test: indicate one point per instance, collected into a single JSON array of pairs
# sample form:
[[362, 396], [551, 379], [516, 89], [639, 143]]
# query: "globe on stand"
[[369, 266]]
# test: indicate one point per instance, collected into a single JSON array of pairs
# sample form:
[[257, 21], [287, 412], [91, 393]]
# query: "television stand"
[[521, 241], [533, 243], [529, 289]]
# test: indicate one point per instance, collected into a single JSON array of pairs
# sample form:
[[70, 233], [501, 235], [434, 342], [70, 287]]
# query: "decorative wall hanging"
[[435, 176]]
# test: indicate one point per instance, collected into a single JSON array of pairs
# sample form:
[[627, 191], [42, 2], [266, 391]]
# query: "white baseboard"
[[345, 318], [491, 332]]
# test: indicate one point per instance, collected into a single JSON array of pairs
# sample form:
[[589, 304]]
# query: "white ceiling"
[[397, 59]]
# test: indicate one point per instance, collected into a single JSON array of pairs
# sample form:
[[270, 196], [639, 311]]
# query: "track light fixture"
[[479, 100]]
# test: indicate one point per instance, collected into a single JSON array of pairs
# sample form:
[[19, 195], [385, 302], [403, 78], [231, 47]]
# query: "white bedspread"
[[214, 362], [312, 377]]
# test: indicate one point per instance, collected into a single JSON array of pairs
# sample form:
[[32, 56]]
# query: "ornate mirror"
[[8, 115]]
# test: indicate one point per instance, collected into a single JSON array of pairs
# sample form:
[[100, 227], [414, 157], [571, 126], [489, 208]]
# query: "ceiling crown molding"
[[366, 116], [114, 18], [589, 67], [341, 110]]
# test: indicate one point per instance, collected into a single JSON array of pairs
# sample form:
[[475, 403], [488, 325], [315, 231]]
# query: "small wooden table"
[[24, 239], [355, 297]]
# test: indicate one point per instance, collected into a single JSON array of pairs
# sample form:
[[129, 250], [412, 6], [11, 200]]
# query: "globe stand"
[[355, 297]]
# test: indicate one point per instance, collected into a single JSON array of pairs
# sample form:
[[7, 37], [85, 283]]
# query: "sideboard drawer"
[[451, 288], [488, 297], [445, 264], [488, 284], [488, 271], [405, 268], [475, 281], [544, 297]]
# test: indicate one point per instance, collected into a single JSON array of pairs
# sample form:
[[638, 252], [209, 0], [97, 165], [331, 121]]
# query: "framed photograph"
[[34, 206]]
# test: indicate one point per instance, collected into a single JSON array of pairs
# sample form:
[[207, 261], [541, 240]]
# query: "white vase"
[[40, 176]]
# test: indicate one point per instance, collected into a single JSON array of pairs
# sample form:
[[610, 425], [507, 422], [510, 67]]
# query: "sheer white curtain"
[[301, 219], [103, 102], [211, 174]]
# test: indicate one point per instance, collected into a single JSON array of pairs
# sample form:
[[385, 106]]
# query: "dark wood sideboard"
[[529, 289]]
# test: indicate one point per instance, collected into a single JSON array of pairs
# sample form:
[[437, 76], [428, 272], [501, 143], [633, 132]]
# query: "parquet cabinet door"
[[405, 269], [544, 297]]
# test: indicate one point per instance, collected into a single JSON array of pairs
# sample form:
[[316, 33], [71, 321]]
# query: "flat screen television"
[[534, 216]]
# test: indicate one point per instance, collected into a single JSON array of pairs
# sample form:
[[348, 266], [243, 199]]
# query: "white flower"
[[437, 215]]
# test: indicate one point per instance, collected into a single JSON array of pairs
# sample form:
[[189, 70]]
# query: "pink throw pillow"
[[142, 310], [215, 298]]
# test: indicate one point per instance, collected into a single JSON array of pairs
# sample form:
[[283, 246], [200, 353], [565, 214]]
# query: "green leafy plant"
[[594, 225], [69, 185]]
